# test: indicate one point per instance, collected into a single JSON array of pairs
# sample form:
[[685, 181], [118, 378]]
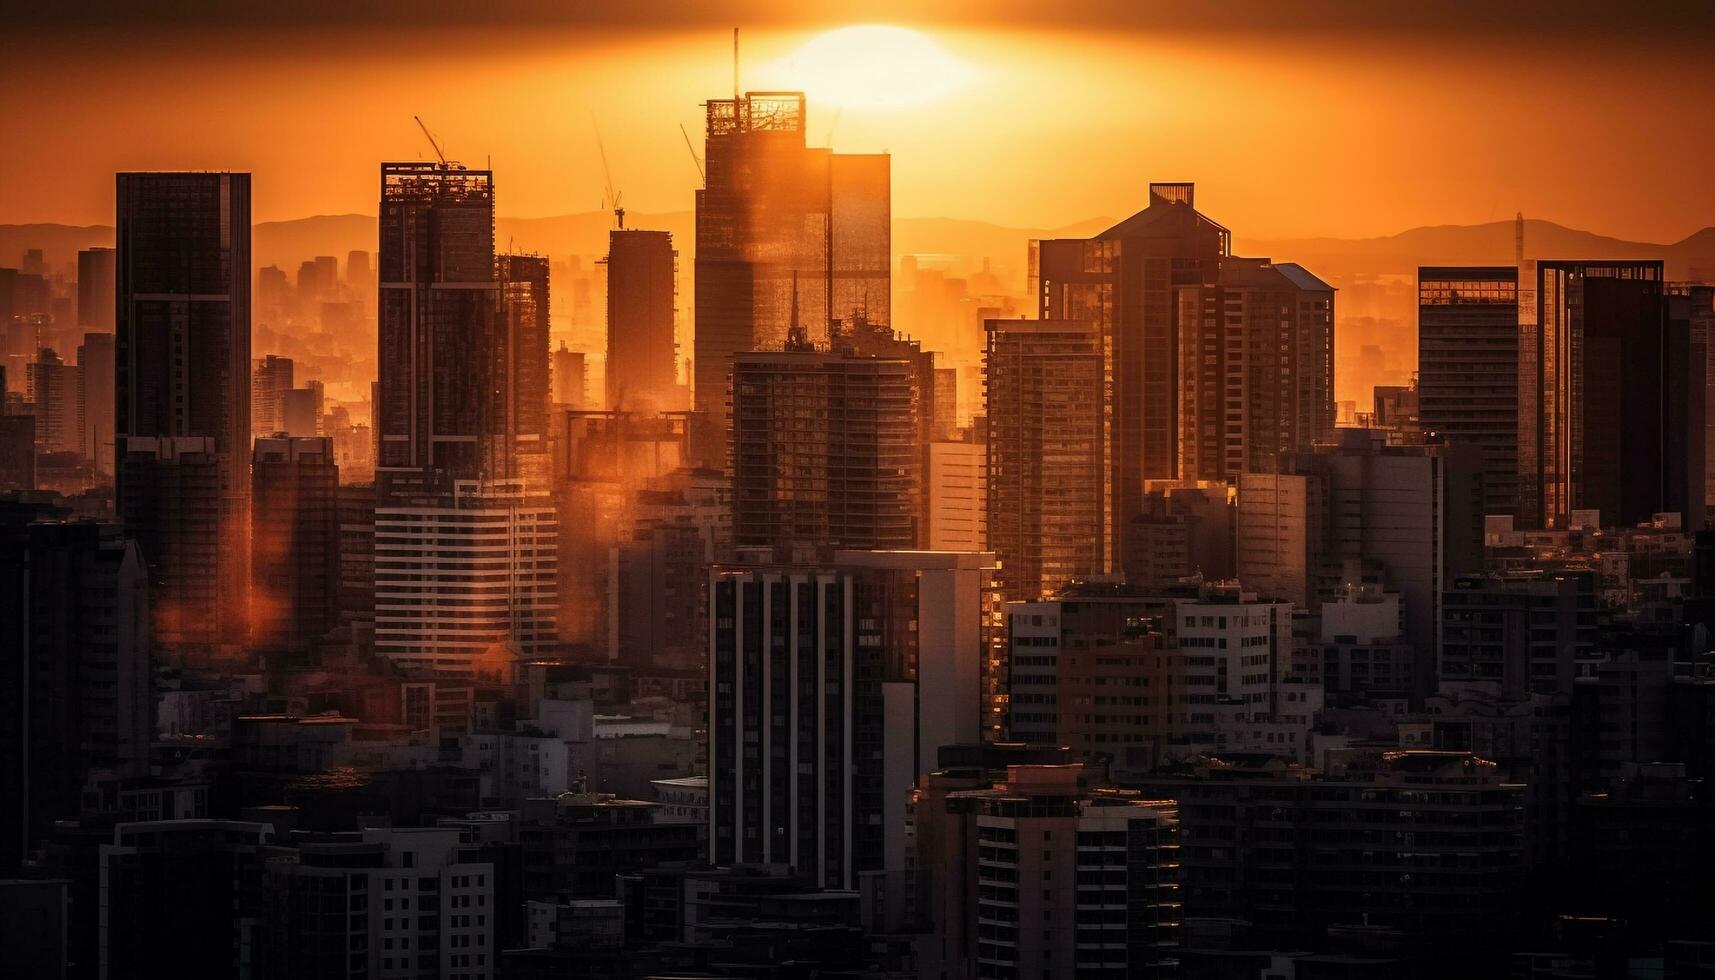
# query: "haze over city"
[[857, 491]]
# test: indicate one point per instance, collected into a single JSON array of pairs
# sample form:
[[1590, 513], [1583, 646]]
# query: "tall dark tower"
[[182, 395], [1124, 280], [1467, 368], [522, 398], [642, 366], [780, 227], [438, 306]]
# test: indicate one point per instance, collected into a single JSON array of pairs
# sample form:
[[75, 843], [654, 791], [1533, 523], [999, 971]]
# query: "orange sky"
[[1296, 129]]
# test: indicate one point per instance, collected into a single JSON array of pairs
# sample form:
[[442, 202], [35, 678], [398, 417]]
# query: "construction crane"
[[607, 175], [696, 161], [431, 138]]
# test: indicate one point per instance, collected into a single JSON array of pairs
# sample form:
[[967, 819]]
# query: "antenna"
[[612, 195], [1518, 240], [697, 161], [431, 138], [735, 64]]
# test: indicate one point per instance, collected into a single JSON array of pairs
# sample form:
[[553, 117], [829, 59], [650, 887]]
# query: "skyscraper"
[[787, 235], [95, 280], [1048, 492], [437, 316], [270, 379], [825, 451], [183, 360], [295, 540], [1124, 281], [1256, 368], [1468, 369], [1608, 399], [642, 360], [522, 392], [53, 388], [95, 370]]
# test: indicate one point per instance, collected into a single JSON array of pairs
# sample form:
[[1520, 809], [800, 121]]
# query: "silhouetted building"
[[1516, 634], [95, 374], [271, 378], [17, 452], [570, 378], [74, 647], [1048, 486], [825, 451], [1468, 369], [183, 329], [1256, 368], [642, 359], [1124, 283], [1611, 399], [787, 235], [95, 284], [356, 514], [295, 540], [439, 364], [53, 389], [523, 394]]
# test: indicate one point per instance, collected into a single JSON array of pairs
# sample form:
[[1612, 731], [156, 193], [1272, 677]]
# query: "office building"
[[825, 451], [301, 411], [74, 645], [957, 488], [1049, 500], [788, 235], [1516, 634], [183, 371], [457, 576], [95, 283], [1608, 395], [295, 540], [523, 395], [642, 358], [356, 514], [831, 689], [441, 369], [658, 595], [1123, 283], [53, 389], [271, 378], [1468, 369], [1256, 368], [570, 378], [1049, 878], [95, 370]]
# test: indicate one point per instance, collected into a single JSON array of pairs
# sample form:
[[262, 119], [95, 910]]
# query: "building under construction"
[[780, 226]]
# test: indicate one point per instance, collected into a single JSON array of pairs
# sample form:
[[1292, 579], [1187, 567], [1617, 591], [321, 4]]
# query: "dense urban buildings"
[[182, 395]]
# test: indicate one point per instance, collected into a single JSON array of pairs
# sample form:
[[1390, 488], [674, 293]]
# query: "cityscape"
[[919, 537]]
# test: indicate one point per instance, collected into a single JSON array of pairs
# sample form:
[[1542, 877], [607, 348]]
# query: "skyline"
[[1370, 130]]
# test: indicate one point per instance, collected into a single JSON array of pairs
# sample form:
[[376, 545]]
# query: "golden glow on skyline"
[[871, 67]]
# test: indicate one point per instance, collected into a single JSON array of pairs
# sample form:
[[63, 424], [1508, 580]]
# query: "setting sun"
[[872, 67]]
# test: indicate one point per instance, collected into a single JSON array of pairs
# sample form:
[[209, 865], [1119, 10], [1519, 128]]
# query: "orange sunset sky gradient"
[[1324, 119]]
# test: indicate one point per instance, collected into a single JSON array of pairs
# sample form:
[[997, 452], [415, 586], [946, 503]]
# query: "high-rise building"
[[95, 283], [271, 378], [1048, 489], [825, 451], [1512, 635], [831, 689], [171, 498], [294, 540], [183, 329], [1256, 368], [74, 645], [95, 370], [301, 411], [957, 488], [1054, 879], [1608, 394], [787, 235], [53, 388], [1468, 369], [440, 366], [642, 359], [523, 397], [356, 505], [1182, 532], [570, 376], [460, 575], [1124, 283], [17, 452]]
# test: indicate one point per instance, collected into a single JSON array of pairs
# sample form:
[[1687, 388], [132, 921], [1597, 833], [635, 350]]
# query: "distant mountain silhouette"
[[287, 243]]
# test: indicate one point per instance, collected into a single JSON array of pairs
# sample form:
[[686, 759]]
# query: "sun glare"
[[872, 67]]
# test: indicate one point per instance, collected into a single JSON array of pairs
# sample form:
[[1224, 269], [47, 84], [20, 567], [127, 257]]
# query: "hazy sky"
[[1331, 118]]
